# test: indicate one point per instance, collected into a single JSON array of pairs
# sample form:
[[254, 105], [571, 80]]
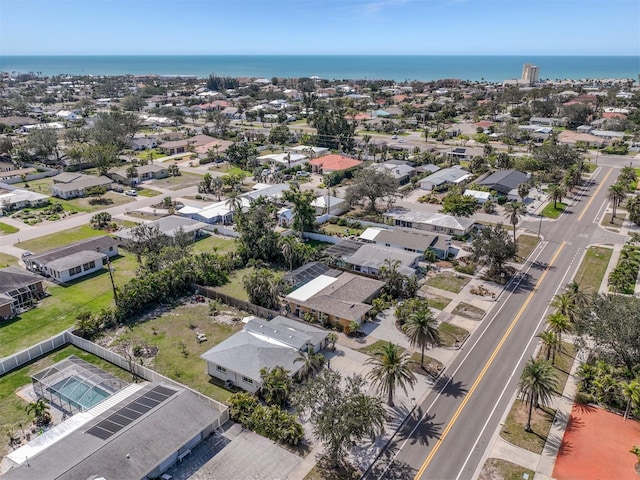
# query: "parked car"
[[131, 193], [302, 173]]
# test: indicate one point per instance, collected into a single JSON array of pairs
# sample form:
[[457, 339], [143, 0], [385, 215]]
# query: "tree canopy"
[[494, 247], [370, 185]]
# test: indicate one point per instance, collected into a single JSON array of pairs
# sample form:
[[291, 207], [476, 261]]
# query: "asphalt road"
[[451, 428]]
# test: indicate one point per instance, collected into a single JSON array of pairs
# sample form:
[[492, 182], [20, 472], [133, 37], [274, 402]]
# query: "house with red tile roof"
[[333, 163]]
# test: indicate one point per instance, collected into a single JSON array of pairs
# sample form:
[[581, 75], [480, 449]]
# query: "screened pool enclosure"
[[74, 385]]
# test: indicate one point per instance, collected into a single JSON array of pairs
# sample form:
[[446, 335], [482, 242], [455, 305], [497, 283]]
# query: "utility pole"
[[113, 284]]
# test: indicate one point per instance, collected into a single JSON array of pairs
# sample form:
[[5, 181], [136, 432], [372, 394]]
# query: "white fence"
[[321, 237], [24, 356], [17, 360]]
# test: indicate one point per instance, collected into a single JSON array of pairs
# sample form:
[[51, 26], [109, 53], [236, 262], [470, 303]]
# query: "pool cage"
[[74, 385]]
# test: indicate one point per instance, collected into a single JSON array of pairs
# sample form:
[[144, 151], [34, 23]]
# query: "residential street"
[[454, 424]]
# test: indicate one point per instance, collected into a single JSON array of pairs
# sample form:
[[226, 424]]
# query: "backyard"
[[60, 239], [173, 332], [13, 416], [58, 311], [215, 243]]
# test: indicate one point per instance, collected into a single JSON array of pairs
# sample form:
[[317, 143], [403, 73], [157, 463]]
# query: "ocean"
[[332, 67]]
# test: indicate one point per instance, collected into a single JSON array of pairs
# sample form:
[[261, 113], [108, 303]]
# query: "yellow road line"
[[594, 195], [487, 365]]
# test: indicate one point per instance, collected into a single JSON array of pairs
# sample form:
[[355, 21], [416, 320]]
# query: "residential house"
[[432, 222], [327, 204], [181, 146], [169, 226], [402, 172], [10, 174], [142, 143], [218, 212], [410, 240], [333, 163], [583, 137], [548, 121], [262, 344], [447, 176], [145, 172], [19, 291], [370, 258], [65, 188], [608, 135], [310, 152], [285, 160], [18, 198], [75, 260], [505, 182], [341, 300]]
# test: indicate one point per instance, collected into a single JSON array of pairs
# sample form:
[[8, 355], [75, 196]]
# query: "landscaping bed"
[[526, 244], [469, 311], [549, 211], [593, 267], [432, 366], [449, 334], [498, 469], [451, 282]]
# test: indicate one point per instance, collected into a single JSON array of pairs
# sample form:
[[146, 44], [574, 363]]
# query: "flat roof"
[[312, 288]]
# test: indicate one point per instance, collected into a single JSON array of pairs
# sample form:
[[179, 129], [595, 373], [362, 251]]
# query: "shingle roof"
[[504, 181], [13, 278], [407, 238], [90, 244]]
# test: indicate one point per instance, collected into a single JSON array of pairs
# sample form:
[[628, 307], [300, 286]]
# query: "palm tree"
[[579, 297], [631, 391], [523, 191], [132, 173], [40, 410], [514, 211], [391, 368], [563, 303], [276, 385], [311, 364], [537, 384], [556, 193], [234, 203], [550, 341], [422, 330], [616, 195], [559, 324], [287, 247]]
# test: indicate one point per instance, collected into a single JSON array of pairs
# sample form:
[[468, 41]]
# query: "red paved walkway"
[[596, 446]]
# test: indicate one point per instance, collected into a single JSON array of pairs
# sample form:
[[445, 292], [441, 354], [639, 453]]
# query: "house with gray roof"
[[402, 172], [452, 176], [505, 182], [19, 291], [262, 344], [370, 258], [169, 226], [432, 222], [144, 172], [73, 261], [410, 240], [341, 300], [137, 433], [78, 186]]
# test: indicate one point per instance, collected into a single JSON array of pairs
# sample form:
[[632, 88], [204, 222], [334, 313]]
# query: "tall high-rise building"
[[530, 73]]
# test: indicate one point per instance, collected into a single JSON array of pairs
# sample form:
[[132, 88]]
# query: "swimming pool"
[[77, 393]]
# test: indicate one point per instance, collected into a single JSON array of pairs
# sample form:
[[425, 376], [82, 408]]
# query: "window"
[[221, 369], [89, 266], [247, 380], [111, 249], [75, 270]]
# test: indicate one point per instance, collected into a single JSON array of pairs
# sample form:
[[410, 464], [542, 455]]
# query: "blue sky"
[[429, 27]]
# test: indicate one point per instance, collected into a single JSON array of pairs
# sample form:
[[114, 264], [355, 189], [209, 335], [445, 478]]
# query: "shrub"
[[583, 398], [468, 269]]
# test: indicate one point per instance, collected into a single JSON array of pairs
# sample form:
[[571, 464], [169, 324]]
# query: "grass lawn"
[[450, 333], [593, 267], [495, 468], [371, 349], [177, 182], [42, 185], [617, 221], [541, 420], [12, 406], [337, 230], [431, 366], [58, 311], [6, 260], [7, 229], [437, 301], [448, 281], [549, 211], [526, 244], [234, 287], [150, 154], [589, 167], [513, 428], [147, 192], [324, 471], [110, 199], [467, 310], [60, 239], [174, 333], [222, 244]]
